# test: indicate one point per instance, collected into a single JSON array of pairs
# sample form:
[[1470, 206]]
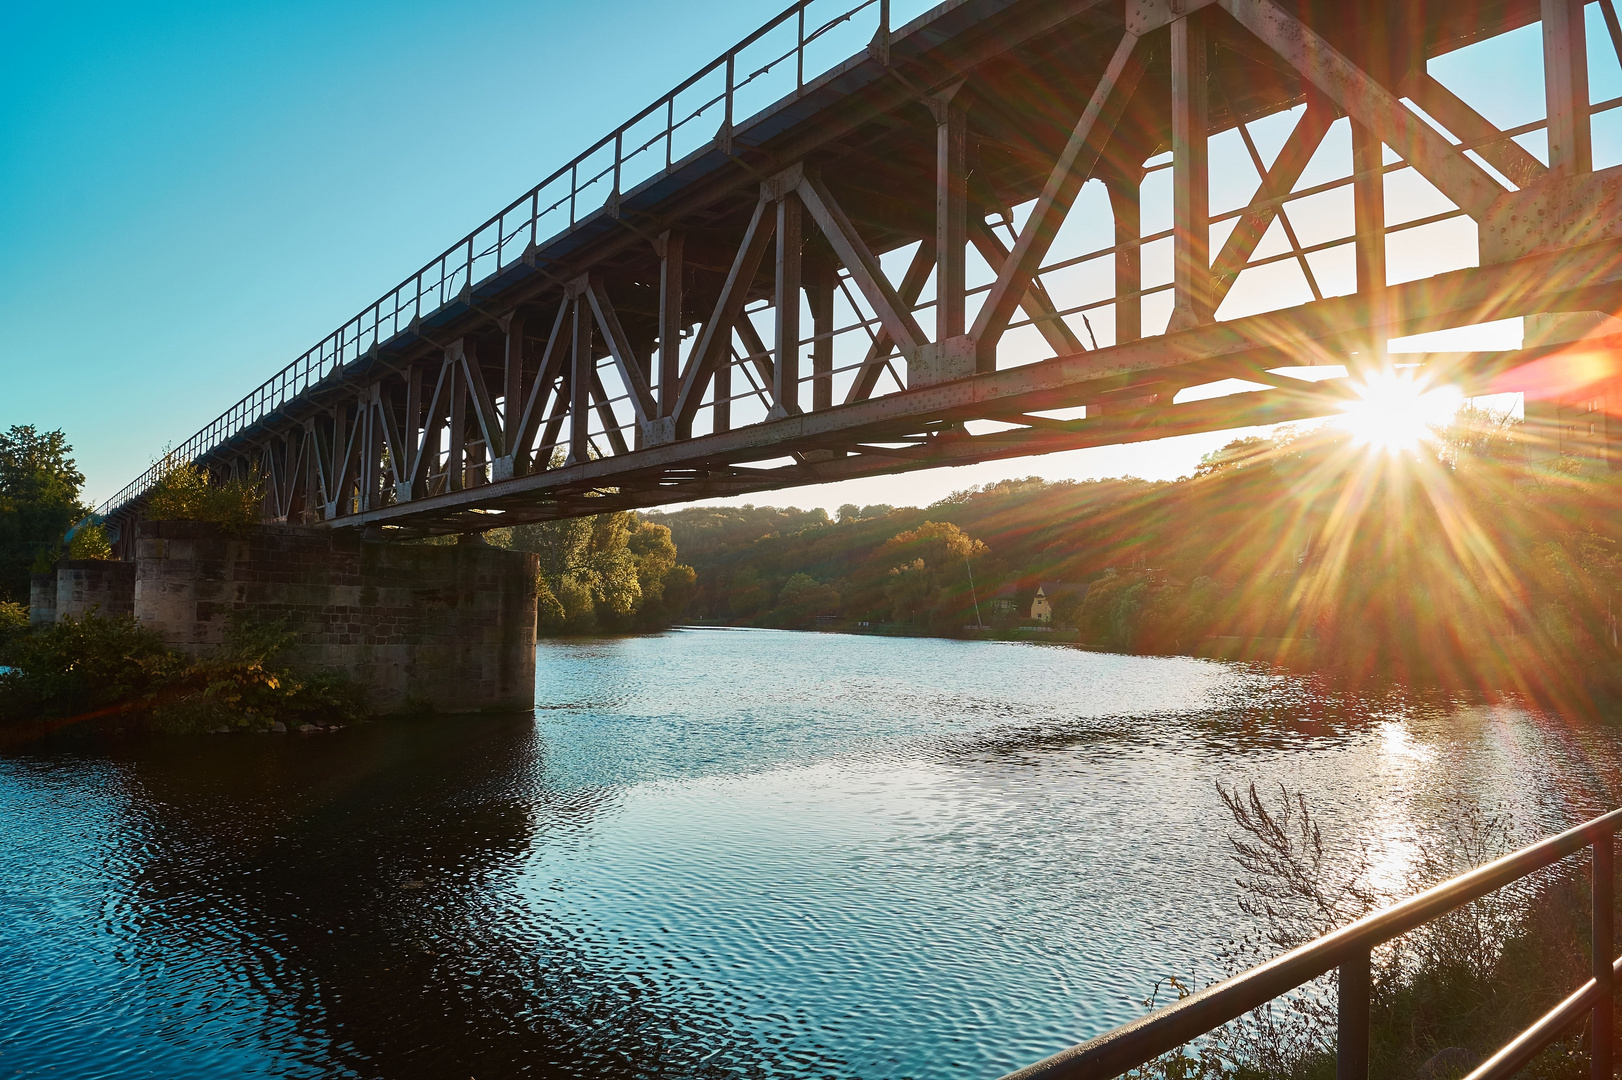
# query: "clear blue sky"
[[191, 195]]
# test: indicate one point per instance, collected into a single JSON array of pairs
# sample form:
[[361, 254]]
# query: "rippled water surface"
[[708, 853]]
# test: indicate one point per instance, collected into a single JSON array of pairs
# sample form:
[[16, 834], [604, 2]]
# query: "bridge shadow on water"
[[351, 905]]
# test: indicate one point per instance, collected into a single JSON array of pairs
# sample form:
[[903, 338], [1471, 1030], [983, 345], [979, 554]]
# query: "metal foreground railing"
[[1138, 1043]]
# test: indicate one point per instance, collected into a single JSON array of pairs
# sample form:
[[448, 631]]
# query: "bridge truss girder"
[[605, 374]]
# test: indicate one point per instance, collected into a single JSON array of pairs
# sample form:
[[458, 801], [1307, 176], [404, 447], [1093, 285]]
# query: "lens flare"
[[1395, 412]]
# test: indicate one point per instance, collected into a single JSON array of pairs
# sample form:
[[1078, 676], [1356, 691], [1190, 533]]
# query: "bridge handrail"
[[1141, 1041], [497, 238]]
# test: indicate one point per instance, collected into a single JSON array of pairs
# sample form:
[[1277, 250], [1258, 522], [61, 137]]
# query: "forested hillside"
[[1473, 557]]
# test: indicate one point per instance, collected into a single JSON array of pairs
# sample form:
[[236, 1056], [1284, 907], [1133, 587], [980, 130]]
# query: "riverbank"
[[1514, 666]]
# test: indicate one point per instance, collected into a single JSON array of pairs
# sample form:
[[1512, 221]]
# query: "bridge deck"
[[705, 305]]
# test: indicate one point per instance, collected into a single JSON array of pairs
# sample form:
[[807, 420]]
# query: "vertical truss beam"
[[1368, 217], [820, 292], [582, 373], [790, 240], [456, 461], [1191, 175], [514, 359], [1565, 85], [951, 211], [670, 250], [1126, 207]]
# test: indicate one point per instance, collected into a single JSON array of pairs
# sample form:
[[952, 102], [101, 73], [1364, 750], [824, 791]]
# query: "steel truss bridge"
[[774, 277]]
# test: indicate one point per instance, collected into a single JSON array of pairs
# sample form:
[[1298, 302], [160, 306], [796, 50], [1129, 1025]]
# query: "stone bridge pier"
[[421, 628]]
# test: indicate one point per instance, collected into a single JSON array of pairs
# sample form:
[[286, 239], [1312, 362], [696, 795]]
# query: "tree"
[[801, 599], [907, 587], [604, 572], [39, 500], [929, 573], [666, 586]]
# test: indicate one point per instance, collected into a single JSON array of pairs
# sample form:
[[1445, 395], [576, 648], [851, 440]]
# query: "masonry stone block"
[[447, 628], [103, 586], [42, 599]]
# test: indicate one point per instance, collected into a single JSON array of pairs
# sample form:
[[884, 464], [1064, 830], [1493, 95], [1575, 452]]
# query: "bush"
[[90, 542], [13, 621], [185, 492], [95, 666]]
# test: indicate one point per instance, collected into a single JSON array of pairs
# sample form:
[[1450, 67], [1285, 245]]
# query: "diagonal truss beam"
[[1477, 132], [1075, 165], [484, 406], [1036, 302], [1307, 135], [558, 344], [716, 336], [912, 285], [863, 267], [619, 346], [1467, 184]]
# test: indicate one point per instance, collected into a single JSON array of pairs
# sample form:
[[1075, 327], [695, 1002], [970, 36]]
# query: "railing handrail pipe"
[[1142, 1040]]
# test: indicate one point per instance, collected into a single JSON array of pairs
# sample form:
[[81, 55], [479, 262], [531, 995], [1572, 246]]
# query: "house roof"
[[1063, 588]]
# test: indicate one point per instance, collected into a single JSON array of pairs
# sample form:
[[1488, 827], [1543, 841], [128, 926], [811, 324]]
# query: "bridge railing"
[[1136, 1044], [773, 63]]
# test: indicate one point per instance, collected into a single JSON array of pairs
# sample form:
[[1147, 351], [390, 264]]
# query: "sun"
[[1393, 411]]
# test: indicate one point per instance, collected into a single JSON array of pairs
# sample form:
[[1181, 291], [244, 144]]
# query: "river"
[[709, 853]]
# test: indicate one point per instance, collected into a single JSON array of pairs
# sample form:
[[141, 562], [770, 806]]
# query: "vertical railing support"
[[726, 122], [1352, 1035], [1604, 872]]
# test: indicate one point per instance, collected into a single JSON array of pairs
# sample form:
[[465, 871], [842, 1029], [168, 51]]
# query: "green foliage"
[[39, 499], [95, 666], [13, 621], [185, 492], [801, 600], [605, 573], [90, 542]]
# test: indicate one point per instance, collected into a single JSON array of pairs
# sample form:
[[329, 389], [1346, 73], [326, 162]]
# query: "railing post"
[[1604, 872], [1352, 1035], [727, 121]]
